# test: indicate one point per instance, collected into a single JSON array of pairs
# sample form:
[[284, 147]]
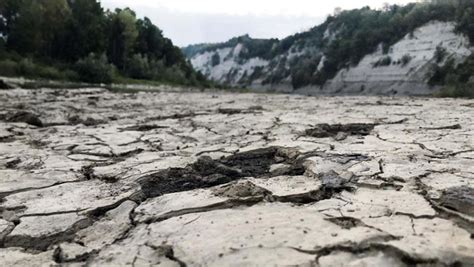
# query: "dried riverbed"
[[90, 177]]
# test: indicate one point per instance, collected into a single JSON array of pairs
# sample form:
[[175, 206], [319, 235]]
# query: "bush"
[[215, 60], [406, 59], [138, 67], [303, 72], [27, 68], [385, 61], [440, 54], [173, 75], [95, 69], [457, 90], [8, 68]]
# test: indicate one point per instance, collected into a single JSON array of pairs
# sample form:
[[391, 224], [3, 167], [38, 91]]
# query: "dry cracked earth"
[[94, 178]]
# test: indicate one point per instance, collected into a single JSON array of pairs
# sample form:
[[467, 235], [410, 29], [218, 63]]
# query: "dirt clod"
[[26, 117], [341, 131]]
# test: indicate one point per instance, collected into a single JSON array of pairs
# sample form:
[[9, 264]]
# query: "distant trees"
[[80, 35], [85, 30], [215, 59], [122, 36]]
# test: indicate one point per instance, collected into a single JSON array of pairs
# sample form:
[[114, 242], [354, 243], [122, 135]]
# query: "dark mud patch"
[[460, 199], [26, 117], [144, 128], [206, 172], [230, 111], [340, 131], [233, 111], [449, 127], [88, 172], [12, 164]]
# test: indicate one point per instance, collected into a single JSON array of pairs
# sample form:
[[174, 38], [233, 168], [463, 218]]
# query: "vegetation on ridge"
[[79, 40]]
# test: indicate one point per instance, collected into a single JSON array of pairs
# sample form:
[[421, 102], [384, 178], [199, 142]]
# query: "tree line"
[[78, 39]]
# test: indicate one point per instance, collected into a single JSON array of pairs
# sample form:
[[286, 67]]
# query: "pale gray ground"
[[89, 177]]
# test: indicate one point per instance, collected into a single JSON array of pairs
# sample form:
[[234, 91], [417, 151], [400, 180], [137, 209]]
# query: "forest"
[[78, 40]]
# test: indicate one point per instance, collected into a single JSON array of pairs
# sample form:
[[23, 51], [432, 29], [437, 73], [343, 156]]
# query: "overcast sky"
[[199, 21]]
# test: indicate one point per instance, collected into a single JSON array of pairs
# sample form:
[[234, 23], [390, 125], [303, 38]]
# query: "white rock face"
[[411, 78], [220, 179], [231, 67]]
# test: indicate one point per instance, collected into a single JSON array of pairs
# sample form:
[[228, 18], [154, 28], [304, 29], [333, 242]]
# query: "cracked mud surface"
[[93, 178]]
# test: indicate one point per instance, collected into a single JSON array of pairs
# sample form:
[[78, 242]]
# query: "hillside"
[[414, 49], [80, 41]]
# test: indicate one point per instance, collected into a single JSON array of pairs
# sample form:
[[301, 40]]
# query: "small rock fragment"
[[340, 130], [240, 190]]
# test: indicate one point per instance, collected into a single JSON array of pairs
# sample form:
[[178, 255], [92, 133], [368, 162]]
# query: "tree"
[[25, 33], [8, 11], [37, 26], [55, 14], [123, 34], [215, 60], [84, 32], [150, 40]]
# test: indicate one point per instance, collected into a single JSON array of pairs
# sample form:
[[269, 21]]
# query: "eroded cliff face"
[[93, 178], [411, 60], [406, 71], [230, 67]]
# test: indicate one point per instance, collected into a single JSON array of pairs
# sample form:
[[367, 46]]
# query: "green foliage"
[[8, 67], [263, 48], [95, 69], [465, 18], [455, 80], [150, 41], [70, 33], [384, 61], [138, 67], [37, 27], [279, 72], [85, 31], [457, 90], [215, 60], [440, 54], [256, 74], [450, 73], [27, 68], [302, 71], [406, 59], [122, 36]]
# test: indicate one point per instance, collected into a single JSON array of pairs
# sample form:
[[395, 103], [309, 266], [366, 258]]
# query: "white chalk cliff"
[[411, 61]]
